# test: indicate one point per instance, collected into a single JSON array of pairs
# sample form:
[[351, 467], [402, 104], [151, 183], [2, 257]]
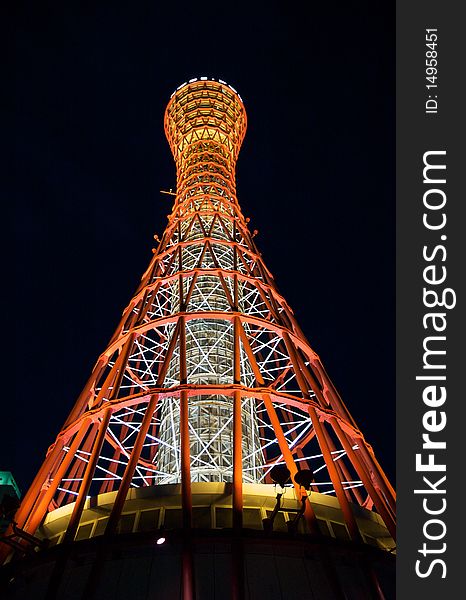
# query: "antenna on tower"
[[170, 193]]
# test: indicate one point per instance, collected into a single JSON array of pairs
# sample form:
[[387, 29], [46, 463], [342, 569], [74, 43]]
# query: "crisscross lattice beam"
[[208, 376]]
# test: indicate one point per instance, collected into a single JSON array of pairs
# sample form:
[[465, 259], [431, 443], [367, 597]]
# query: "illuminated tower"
[[208, 416]]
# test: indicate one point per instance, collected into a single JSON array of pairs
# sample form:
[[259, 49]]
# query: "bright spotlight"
[[160, 541]]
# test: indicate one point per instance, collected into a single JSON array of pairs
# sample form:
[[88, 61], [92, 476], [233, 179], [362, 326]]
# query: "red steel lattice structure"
[[208, 376]]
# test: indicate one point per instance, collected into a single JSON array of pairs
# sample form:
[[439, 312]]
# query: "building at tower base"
[[144, 560]]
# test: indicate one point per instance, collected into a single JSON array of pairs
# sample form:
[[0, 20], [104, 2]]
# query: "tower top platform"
[[205, 109]]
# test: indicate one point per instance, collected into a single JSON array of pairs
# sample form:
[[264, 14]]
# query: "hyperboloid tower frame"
[[208, 395]]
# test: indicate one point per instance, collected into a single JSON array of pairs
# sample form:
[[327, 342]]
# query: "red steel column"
[[361, 471], [185, 450], [87, 479], [342, 499], [185, 457], [40, 509], [31, 496], [237, 433], [130, 468]]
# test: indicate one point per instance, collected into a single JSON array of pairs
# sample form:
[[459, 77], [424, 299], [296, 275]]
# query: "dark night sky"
[[316, 175]]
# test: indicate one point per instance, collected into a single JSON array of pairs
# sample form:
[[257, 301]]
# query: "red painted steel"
[[207, 284]]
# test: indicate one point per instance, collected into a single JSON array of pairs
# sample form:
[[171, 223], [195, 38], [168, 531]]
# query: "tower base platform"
[[152, 558]]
